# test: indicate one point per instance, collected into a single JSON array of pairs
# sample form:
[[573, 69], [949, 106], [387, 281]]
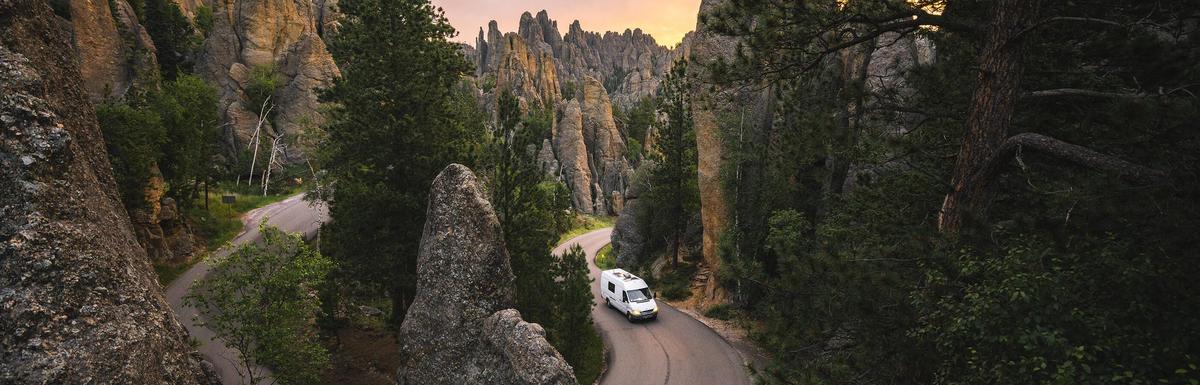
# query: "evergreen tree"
[[575, 334], [673, 192], [134, 139], [397, 120], [532, 209], [172, 34], [1069, 132], [188, 109]]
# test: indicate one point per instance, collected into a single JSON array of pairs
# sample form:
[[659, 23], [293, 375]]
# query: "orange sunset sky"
[[666, 20]]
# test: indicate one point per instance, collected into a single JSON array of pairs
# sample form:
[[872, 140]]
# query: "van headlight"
[[637, 312], [655, 309]]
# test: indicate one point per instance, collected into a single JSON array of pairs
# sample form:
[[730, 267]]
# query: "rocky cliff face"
[[706, 46], [281, 34], [115, 53], [581, 76], [462, 329], [79, 303], [116, 56]]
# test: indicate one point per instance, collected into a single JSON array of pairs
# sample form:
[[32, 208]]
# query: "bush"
[[203, 19], [722, 312], [264, 80], [676, 285]]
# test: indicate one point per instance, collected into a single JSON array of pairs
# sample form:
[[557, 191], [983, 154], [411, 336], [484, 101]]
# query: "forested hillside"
[[952, 191]]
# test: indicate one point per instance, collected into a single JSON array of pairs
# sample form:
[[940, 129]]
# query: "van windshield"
[[641, 295]]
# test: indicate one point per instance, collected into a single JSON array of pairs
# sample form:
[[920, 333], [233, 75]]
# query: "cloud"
[[666, 20]]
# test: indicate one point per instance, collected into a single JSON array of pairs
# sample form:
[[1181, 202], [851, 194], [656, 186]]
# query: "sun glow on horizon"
[[666, 20]]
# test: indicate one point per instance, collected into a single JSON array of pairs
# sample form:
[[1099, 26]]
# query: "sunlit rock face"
[[580, 77], [285, 35], [461, 328]]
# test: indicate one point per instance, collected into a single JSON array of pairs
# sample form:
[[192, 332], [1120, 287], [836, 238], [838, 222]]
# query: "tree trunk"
[[990, 114]]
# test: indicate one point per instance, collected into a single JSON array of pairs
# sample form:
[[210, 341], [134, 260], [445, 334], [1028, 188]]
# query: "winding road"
[[675, 349], [292, 215]]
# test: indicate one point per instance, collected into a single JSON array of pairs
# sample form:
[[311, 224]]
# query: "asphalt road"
[[675, 349], [292, 215]]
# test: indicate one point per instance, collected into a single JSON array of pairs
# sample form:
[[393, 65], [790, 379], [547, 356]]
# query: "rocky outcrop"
[[160, 228], [572, 152], [115, 52], [279, 34], [461, 329], [79, 303], [627, 239], [595, 73], [528, 72], [705, 47], [606, 147]]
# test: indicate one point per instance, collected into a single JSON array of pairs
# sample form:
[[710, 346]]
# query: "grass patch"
[[218, 224], [583, 224], [221, 222], [605, 259], [722, 312], [589, 370]]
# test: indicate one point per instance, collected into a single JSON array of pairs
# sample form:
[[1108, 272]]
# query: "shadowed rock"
[[461, 328], [79, 303]]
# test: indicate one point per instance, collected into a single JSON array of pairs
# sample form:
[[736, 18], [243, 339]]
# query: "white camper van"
[[628, 294]]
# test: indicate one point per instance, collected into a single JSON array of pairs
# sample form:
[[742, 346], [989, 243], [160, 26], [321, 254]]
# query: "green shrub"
[[203, 19], [264, 80], [676, 285], [722, 312]]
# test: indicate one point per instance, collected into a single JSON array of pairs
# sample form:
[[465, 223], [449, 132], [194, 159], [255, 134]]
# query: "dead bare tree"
[[256, 138]]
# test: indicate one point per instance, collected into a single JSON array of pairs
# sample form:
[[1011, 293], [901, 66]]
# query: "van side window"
[[612, 288], [624, 296]]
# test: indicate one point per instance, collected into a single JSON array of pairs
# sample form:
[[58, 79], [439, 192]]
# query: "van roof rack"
[[625, 275]]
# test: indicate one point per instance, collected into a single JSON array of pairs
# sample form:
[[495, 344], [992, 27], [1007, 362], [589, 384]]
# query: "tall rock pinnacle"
[[461, 328]]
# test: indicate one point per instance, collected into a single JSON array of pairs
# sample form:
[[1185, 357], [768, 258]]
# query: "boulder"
[[461, 328], [79, 302]]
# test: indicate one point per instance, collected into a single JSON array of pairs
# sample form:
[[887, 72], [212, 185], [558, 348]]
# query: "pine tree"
[[398, 119], [674, 192], [532, 210]]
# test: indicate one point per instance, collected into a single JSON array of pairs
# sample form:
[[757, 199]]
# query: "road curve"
[[292, 215], [675, 349]]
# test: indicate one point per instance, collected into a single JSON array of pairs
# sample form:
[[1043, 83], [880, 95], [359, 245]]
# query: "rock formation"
[[79, 303], [116, 56], [114, 51], [571, 150], [627, 239], [606, 146], [594, 73], [705, 46], [461, 329], [279, 34]]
